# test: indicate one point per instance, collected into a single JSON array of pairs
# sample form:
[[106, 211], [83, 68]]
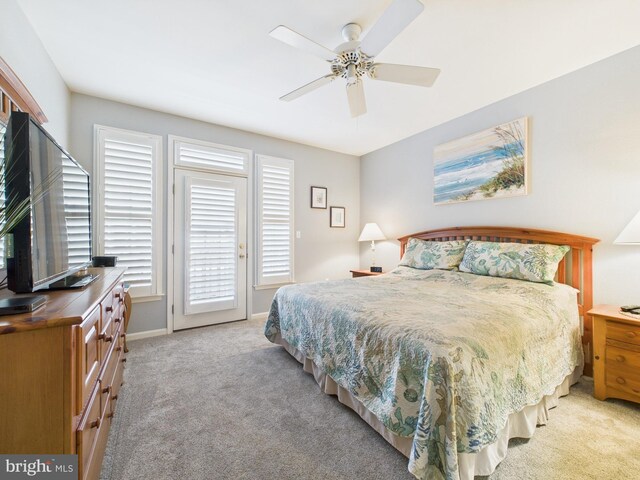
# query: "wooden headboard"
[[575, 269]]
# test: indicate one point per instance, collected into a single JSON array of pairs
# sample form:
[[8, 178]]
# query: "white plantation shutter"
[[275, 220], [75, 188], [128, 204], [210, 156], [211, 243]]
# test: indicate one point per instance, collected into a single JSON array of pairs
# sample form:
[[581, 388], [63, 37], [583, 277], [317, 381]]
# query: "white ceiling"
[[213, 60]]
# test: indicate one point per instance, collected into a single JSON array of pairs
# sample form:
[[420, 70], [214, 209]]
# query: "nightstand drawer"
[[625, 379], [623, 332], [621, 358]]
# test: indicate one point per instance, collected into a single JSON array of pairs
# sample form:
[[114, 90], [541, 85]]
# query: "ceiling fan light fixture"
[[354, 59]]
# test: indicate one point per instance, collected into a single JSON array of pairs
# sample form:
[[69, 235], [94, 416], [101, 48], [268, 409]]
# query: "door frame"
[[170, 196]]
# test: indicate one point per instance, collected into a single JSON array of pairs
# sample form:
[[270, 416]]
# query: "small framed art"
[[318, 197], [337, 217]]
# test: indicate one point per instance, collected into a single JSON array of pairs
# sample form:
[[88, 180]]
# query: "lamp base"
[[376, 269]]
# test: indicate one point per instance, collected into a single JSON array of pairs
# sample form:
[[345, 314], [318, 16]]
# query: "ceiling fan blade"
[[393, 21], [309, 87], [409, 74], [355, 95], [288, 36]]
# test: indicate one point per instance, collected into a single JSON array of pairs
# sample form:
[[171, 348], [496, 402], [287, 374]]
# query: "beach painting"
[[487, 164]]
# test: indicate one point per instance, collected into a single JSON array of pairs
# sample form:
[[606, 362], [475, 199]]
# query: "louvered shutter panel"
[[275, 220], [75, 189], [129, 214], [211, 242], [210, 156]]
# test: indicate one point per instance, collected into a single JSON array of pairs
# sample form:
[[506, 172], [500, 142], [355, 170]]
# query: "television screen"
[[59, 220]]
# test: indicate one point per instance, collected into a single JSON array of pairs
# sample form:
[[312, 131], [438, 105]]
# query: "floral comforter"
[[442, 357]]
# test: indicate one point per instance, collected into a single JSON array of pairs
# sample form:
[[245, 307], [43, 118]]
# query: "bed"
[[445, 365]]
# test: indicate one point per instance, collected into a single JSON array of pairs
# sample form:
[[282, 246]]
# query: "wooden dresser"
[[61, 371], [616, 354]]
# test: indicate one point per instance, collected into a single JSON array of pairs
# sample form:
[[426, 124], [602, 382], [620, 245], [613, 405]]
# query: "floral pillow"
[[532, 262], [427, 255]]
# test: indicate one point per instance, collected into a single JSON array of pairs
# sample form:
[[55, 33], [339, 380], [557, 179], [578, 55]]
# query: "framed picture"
[[485, 165], [318, 197], [337, 217]]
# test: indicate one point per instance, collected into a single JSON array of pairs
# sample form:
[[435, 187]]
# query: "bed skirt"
[[519, 425]]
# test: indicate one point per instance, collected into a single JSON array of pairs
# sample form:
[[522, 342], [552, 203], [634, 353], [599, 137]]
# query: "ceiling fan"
[[354, 59]]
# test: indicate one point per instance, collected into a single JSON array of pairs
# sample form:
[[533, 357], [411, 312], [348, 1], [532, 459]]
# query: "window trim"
[[259, 283], [100, 133]]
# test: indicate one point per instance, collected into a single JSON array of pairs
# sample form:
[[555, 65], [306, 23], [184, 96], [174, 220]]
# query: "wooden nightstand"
[[364, 273], [616, 354]]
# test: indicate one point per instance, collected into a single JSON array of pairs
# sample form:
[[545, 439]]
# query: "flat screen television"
[[52, 242]]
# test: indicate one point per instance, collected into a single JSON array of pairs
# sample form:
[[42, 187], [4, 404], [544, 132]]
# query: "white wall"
[[21, 48], [585, 171], [321, 252]]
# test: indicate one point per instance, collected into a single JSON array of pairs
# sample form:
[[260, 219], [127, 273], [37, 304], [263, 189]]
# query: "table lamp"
[[370, 233], [630, 236]]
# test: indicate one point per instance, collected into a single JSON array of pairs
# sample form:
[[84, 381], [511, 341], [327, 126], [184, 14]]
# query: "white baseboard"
[[260, 316], [146, 334]]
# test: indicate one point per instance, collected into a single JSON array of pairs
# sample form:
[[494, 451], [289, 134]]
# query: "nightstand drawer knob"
[[619, 358], [621, 380]]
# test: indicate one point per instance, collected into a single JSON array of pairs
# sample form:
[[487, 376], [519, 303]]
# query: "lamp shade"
[[371, 231], [631, 233]]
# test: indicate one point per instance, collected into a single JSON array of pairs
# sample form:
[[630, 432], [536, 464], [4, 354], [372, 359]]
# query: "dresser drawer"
[[118, 376], [620, 358], [118, 294], [623, 332], [106, 380], [107, 310], [88, 356], [626, 379], [118, 319], [87, 433]]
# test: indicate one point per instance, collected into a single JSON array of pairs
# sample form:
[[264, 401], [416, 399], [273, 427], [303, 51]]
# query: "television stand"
[[72, 281]]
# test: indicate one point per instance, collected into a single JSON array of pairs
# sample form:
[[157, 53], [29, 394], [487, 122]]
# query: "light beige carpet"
[[223, 403]]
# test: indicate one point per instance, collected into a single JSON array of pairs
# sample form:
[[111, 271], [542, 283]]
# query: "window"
[[75, 189], [275, 221], [209, 156], [127, 207]]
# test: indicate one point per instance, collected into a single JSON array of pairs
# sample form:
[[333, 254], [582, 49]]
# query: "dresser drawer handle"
[[110, 415], [631, 334], [621, 380], [106, 389], [124, 360], [109, 338], [117, 320], [122, 335], [95, 424], [115, 397], [619, 358], [109, 309], [118, 349], [117, 295]]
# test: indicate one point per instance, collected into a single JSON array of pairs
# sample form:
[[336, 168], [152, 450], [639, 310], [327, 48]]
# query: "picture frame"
[[337, 217], [319, 197], [492, 163]]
